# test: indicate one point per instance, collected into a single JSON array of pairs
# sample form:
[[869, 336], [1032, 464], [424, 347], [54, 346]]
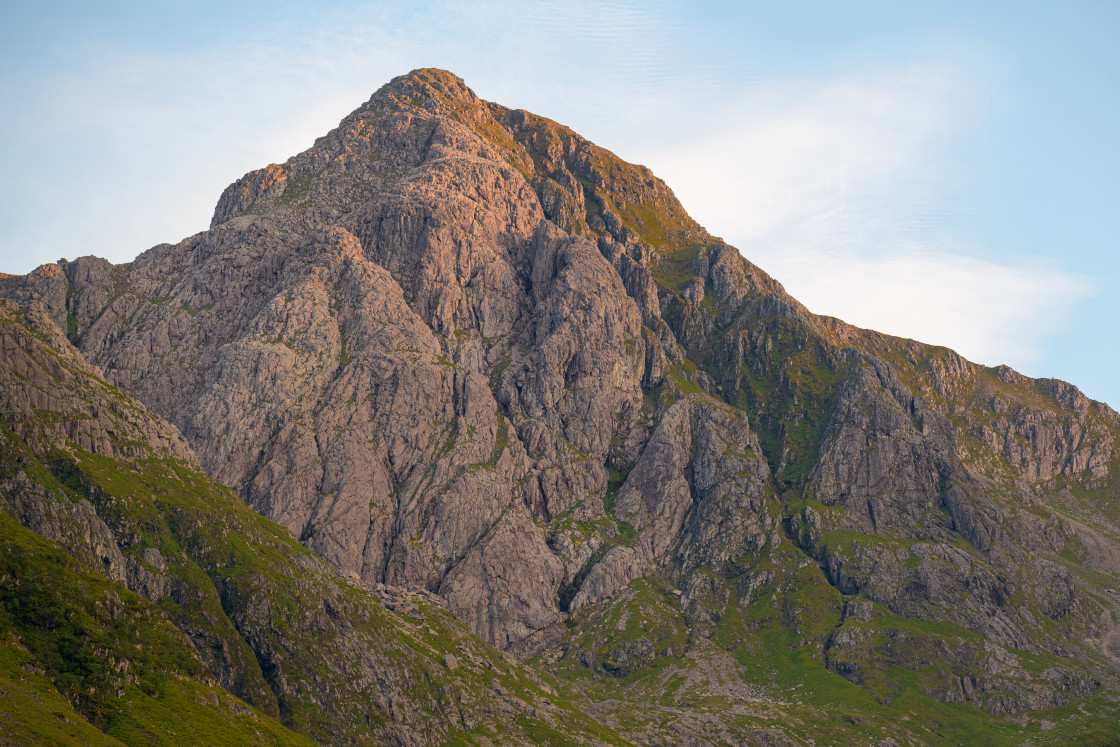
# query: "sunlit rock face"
[[140, 597]]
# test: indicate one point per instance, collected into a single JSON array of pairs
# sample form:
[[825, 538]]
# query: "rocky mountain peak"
[[431, 89]]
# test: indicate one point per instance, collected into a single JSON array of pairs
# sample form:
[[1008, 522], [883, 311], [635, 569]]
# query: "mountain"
[[458, 349]]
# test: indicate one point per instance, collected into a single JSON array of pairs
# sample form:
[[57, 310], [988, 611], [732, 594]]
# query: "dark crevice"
[[568, 593]]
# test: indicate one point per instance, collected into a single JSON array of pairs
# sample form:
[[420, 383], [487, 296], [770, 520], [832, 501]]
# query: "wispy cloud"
[[836, 187], [833, 183], [786, 152], [989, 312]]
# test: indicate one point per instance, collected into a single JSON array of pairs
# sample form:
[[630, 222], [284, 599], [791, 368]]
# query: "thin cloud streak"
[[829, 185], [788, 152]]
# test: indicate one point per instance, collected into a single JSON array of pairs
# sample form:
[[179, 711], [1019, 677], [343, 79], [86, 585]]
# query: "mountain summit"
[[458, 348]]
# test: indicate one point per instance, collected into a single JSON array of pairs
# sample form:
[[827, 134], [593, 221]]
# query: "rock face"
[[458, 348], [160, 596]]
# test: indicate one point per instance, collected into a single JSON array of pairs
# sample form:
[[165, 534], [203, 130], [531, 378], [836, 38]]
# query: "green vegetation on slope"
[[111, 653], [810, 671]]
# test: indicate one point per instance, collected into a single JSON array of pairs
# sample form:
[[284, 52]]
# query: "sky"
[[948, 172]]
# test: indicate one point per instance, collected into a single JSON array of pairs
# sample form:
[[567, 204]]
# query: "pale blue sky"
[[947, 172]]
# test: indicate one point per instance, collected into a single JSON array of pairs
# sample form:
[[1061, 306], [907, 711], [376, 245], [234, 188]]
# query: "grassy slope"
[[776, 640], [34, 712], [71, 636]]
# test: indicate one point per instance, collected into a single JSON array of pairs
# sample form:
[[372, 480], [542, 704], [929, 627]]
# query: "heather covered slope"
[[139, 597], [459, 348]]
